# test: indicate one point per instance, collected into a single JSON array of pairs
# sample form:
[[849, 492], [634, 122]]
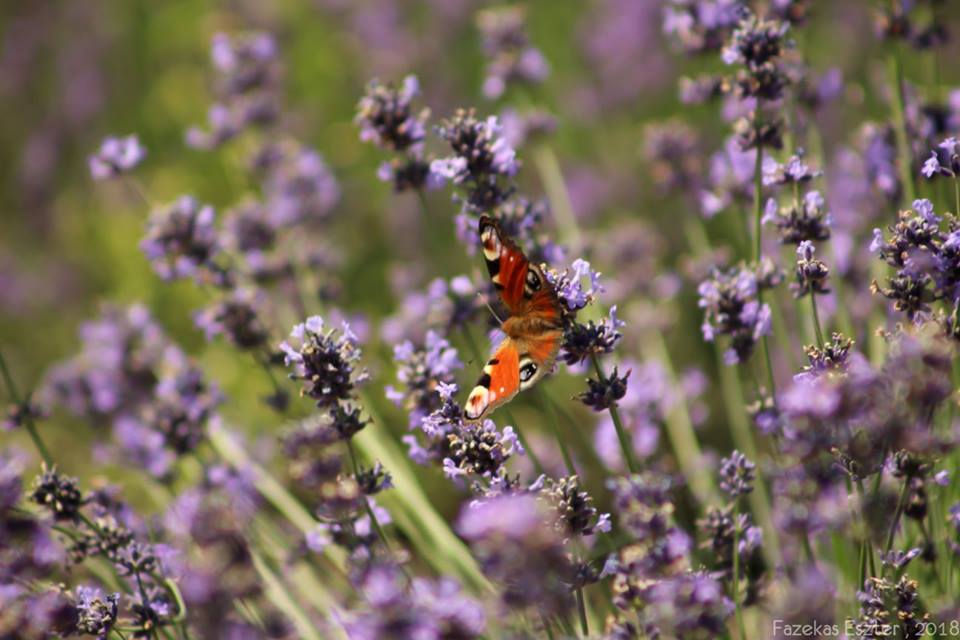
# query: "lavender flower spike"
[[324, 361]]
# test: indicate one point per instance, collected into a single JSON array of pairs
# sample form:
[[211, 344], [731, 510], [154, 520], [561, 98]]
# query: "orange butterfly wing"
[[534, 328], [498, 384]]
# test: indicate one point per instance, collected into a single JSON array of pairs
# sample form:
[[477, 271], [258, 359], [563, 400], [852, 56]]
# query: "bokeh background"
[[72, 72]]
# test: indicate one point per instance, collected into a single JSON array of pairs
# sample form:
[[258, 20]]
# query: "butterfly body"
[[533, 332]]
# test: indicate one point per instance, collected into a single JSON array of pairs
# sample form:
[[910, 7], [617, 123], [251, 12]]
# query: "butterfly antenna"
[[490, 307]]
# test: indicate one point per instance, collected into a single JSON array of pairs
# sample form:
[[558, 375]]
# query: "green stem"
[[736, 570], [584, 444], [816, 319], [582, 610], [679, 425], [366, 502], [534, 458], [901, 503], [626, 446], [904, 155], [758, 240], [757, 205], [956, 195], [546, 626], [766, 357], [28, 416], [561, 442]]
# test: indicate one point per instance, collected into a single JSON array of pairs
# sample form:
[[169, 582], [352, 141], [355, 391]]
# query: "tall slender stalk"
[[366, 502], [736, 570], [27, 415], [626, 445], [901, 503], [904, 155], [757, 197], [816, 319]]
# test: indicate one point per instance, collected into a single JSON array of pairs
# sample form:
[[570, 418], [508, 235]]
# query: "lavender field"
[[450, 320]]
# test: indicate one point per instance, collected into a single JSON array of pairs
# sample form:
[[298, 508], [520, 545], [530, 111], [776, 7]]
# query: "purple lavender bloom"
[[116, 156], [695, 26], [249, 228], [96, 613], [944, 160], [299, 187], [569, 284], [421, 608], [386, 118], [143, 446], [800, 221], [410, 172], [833, 357], [811, 273], [247, 85], [237, 317], [57, 493], [689, 606], [606, 392], [510, 57], [481, 151], [518, 547], [879, 152], [737, 475], [443, 307], [643, 504], [794, 171], [758, 46], [117, 366], [423, 372], [243, 60], [897, 606], [575, 513], [182, 242], [731, 308], [223, 125], [479, 450], [324, 360], [580, 341], [674, 154], [926, 259], [520, 128], [807, 600], [730, 178], [481, 159], [183, 406]]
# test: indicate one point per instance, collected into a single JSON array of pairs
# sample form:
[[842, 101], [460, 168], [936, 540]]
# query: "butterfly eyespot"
[[533, 280], [527, 371]]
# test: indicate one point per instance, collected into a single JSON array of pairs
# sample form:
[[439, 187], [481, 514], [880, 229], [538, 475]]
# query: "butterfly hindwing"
[[499, 382]]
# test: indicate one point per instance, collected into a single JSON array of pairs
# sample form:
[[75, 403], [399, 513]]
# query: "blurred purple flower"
[[731, 308], [510, 57], [386, 118], [182, 242], [423, 372], [519, 548], [237, 317], [116, 156], [299, 186]]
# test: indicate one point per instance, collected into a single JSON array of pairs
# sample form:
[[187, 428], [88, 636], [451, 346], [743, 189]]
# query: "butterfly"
[[534, 329]]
